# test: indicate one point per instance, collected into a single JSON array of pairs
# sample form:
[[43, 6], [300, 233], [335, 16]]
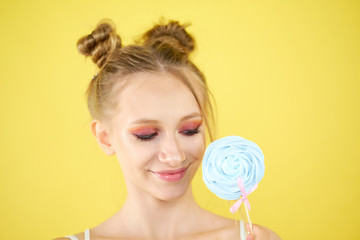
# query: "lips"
[[171, 175]]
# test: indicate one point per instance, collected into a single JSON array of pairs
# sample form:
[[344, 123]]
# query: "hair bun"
[[100, 43], [173, 34]]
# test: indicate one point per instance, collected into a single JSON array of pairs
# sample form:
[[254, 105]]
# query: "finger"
[[250, 237]]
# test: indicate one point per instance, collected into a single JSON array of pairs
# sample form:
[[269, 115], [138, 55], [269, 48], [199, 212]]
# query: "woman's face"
[[157, 134]]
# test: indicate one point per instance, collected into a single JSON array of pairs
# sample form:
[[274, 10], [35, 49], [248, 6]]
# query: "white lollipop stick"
[[244, 199], [248, 217]]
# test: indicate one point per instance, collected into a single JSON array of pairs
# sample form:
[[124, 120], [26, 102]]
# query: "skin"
[[158, 127]]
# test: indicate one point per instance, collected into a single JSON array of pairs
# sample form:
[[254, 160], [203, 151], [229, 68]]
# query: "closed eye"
[[190, 132], [145, 137]]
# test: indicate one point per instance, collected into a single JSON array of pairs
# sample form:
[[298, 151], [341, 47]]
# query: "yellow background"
[[285, 74]]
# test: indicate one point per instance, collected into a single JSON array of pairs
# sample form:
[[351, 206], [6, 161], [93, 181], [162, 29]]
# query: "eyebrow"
[[151, 121]]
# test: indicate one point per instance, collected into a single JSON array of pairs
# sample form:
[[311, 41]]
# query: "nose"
[[171, 152]]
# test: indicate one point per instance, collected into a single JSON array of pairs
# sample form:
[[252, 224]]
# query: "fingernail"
[[249, 237]]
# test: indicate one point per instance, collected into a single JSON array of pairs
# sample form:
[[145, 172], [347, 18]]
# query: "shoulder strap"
[[72, 237], [87, 234]]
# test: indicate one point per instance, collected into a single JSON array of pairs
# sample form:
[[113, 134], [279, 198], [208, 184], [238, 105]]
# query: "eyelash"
[[149, 137], [191, 132], [146, 138]]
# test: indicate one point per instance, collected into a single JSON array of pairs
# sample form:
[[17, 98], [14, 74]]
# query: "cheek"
[[133, 154], [196, 149]]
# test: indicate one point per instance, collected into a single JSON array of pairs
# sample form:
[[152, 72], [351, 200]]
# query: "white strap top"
[[87, 235]]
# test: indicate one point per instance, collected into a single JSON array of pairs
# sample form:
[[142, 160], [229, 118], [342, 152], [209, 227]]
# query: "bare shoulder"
[[225, 228], [217, 227]]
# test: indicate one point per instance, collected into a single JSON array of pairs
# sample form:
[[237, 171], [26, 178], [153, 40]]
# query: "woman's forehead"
[[155, 95]]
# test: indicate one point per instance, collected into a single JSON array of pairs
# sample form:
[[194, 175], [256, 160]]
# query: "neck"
[[159, 219]]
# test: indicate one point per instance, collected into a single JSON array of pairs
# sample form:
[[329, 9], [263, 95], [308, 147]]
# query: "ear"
[[102, 136]]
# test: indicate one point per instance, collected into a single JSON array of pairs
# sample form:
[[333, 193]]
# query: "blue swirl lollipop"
[[228, 159]]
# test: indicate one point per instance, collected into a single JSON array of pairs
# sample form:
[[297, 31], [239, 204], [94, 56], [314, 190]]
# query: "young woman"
[[150, 106]]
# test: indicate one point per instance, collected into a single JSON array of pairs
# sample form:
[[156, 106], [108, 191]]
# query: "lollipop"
[[232, 168], [231, 158]]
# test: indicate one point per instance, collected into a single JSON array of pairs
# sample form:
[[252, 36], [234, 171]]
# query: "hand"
[[262, 233]]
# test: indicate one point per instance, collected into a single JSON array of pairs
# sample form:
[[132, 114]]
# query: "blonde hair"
[[164, 48]]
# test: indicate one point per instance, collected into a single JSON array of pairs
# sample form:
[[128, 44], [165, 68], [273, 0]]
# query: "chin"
[[172, 193], [169, 197]]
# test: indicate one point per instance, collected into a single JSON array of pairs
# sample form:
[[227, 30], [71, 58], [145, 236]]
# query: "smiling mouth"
[[171, 175]]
